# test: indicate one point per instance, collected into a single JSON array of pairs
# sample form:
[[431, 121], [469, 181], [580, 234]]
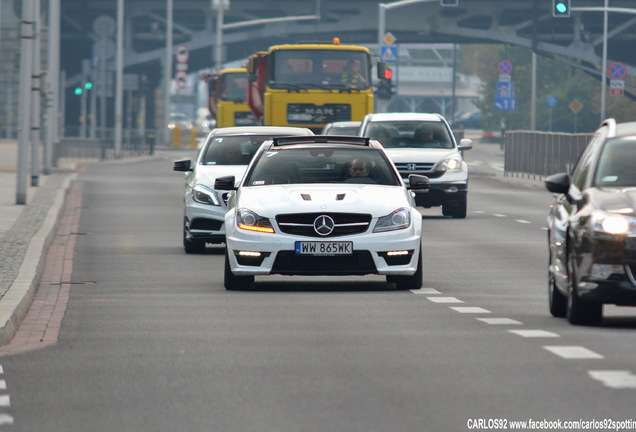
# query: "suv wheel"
[[456, 211]]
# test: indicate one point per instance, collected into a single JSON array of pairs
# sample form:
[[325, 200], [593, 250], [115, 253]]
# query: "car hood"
[[419, 155], [207, 174], [612, 199], [269, 201]]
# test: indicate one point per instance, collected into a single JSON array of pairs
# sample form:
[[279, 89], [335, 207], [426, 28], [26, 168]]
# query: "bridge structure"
[[251, 25]]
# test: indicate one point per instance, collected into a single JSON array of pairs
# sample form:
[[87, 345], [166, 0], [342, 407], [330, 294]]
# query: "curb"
[[18, 298]]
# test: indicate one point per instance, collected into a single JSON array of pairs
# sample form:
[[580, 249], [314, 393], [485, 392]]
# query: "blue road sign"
[[506, 104], [617, 70], [505, 67], [505, 89], [551, 100], [389, 54]]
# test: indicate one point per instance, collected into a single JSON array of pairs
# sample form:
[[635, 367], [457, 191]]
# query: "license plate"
[[324, 248]]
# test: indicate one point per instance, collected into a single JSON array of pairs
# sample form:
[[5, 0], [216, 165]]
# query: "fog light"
[[604, 271], [453, 189], [249, 253], [397, 253]]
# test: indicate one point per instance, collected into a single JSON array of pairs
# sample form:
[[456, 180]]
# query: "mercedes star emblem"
[[324, 225]]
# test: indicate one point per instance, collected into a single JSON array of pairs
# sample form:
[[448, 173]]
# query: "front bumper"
[[277, 255], [204, 223]]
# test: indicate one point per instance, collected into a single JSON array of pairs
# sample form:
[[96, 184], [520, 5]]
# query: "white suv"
[[322, 205], [226, 151], [424, 144]]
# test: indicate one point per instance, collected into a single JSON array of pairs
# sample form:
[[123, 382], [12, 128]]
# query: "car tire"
[[456, 211], [233, 282], [192, 247], [580, 312], [410, 282], [557, 301]]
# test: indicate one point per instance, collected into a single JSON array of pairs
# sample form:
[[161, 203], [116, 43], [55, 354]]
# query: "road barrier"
[[103, 149], [539, 154]]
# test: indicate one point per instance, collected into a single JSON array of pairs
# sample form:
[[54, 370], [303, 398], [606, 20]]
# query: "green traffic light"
[[561, 7], [78, 91], [88, 85]]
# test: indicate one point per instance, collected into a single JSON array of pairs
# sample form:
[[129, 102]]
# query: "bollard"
[[193, 138], [177, 137]]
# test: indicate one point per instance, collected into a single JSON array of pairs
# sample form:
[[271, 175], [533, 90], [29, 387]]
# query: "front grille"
[[306, 113], [359, 263], [302, 224], [206, 224], [414, 168]]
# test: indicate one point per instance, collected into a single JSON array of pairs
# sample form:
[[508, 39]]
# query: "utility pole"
[[24, 112]]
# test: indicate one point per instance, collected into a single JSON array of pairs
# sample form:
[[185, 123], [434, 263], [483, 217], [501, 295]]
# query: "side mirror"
[[419, 182], [224, 183], [184, 165], [558, 183], [465, 144]]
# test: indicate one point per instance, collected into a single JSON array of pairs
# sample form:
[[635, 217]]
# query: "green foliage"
[[566, 83]]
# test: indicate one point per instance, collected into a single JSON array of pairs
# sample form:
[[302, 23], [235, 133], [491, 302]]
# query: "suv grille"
[[303, 224]]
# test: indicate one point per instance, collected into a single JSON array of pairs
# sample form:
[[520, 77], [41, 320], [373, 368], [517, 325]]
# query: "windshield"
[[616, 164], [232, 150], [414, 134], [320, 69], [233, 86], [321, 165]]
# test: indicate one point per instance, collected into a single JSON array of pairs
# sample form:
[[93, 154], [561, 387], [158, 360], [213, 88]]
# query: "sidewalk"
[[26, 231]]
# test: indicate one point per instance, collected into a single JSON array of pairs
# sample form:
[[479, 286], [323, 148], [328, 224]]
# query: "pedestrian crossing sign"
[[389, 54]]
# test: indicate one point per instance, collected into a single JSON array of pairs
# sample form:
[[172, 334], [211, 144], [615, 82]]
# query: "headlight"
[[205, 195], [399, 219], [250, 221], [450, 164], [609, 223]]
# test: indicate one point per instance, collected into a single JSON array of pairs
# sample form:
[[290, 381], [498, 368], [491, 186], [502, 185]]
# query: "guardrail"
[[103, 149], [540, 154]]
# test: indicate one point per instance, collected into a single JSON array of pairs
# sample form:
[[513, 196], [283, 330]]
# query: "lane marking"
[[572, 352], [479, 212], [534, 333], [425, 291], [499, 215], [3, 385], [6, 419], [444, 300], [4, 401], [616, 379], [470, 309], [523, 221], [500, 321]]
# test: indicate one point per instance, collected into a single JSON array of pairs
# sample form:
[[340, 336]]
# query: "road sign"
[[506, 104], [505, 67], [576, 106], [182, 54], [617, 71], [505, 89], [389, 39], [617, 87], [551, 101], [181, 79], [389, 54]]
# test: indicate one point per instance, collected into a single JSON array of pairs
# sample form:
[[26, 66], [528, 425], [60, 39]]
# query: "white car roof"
[[261, 130], [403, 116]]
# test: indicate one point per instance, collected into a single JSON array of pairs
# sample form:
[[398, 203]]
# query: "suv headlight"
[[451, 164], [250, 221], [205, 195], [612, 223], [399, 219]]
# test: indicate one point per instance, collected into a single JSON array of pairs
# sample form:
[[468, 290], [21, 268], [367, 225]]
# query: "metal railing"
[[539, 154], [73, 147]]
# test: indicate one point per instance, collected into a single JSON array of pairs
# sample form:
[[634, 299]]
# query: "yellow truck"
[[311, 84], [227, 92]]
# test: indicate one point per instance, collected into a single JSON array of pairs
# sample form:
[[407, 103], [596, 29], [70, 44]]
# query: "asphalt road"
[[151, 341]]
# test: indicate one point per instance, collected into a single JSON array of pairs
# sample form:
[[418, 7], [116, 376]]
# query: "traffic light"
[[385, 87], [78, 91], [449, 2], [88, 85], [561, 8]]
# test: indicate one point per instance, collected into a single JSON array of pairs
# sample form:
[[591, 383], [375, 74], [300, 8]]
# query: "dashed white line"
[[425, 291], [616, 379], [500, 321], [499, 215], [534, 333], [573, 352], [523, 221], [470, 309], [6, 419], [444, 300], [4, 401]]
